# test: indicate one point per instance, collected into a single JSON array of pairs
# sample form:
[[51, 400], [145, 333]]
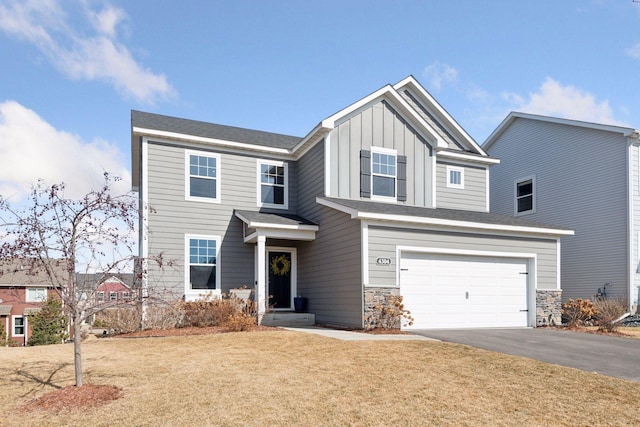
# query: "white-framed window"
[[273, 188], [100, 296], [202, 269], [202, 176], [126, 295], [384, 172], [525, 197], [36, 294], [113, 296], [455, 177], [19, 325]]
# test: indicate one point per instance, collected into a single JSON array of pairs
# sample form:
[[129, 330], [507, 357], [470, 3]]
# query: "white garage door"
[[459, 291]]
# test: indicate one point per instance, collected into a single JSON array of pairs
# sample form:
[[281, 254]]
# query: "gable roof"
[[30, 272], [511, 117], [485, 221]]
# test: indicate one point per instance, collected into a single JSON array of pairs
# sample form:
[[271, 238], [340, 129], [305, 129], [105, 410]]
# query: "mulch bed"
[[72, 397]]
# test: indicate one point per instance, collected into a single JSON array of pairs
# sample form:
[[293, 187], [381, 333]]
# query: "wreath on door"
[[280, 265]]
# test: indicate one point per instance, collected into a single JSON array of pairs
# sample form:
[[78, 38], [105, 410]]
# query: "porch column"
[[261, 286]]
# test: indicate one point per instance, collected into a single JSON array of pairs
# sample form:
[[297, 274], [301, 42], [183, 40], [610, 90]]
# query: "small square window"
[[455, 177]]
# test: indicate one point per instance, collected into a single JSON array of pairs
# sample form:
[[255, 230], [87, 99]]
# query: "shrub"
[[228, 311], [578, 312], [48, 325], [388, 313], [120, 320], [610, 310], [4, 341]]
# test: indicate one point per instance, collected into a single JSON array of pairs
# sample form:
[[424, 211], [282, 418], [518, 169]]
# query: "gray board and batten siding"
[[581, 183], [379, 126]]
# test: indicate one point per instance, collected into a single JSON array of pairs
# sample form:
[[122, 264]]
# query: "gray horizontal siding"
[[383, 242], [580, 184], [173, 216], [329, 269], [472, 197]]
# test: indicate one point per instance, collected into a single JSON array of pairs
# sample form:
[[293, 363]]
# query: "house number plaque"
[[383, 261]]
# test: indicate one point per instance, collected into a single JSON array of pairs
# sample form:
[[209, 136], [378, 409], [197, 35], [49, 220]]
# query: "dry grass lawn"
[[283, 378]]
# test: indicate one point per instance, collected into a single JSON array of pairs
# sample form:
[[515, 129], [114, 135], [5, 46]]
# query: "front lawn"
[[284, 378]]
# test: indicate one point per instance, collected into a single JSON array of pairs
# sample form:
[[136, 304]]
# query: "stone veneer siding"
[[548, 306]]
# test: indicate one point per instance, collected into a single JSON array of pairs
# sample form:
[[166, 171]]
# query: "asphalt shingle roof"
[[159, 122], [274, 218]]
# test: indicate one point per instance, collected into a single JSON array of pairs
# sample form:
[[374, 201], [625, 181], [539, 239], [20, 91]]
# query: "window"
[[272, 184], [455, 177], [525, 195], [202, 263], [383, 174], [113, 296], [202, 176], [126, 296], [101, 296], [36, 294], [18, 326]]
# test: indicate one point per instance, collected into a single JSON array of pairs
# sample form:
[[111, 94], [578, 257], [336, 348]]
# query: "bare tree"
[[51, 230]]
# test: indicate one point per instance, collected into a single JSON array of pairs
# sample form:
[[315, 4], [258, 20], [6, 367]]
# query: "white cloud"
[[570, 102], [438, 73], [98, 56], [634, 51], [32, 149]]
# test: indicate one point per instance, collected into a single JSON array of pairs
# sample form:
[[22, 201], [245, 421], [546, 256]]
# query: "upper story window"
[[525, 201], [202, 176], [383, 174], [273, 190], [202, 265], [455, 177], [100, 296], [113, 296], [36, 294]]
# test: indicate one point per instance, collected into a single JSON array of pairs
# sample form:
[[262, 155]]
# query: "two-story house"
[[581, 175], [387, 196], [23, 288]]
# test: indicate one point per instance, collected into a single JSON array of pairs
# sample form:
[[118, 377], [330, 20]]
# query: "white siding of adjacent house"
[[634, 181], [580, 177]]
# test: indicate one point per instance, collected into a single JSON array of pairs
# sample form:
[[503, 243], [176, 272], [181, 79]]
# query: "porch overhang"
[[275, 226]]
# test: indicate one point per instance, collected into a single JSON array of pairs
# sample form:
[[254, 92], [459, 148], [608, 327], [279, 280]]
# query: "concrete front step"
[[288, 319]]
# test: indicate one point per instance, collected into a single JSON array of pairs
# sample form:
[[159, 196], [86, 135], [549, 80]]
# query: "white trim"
[[294, 271], [466, 158], [24, 326], [187, 176], [487, 190], [143, 232], [558, 266], [355, 214], [259, 183], [194, 294], [449, 121], [534, 190], [212, 141], [364, 245], [532, 266], [327, 165], [458, 169], [387, 152], [434, 180]]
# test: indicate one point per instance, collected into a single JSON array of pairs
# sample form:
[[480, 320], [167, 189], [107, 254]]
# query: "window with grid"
[[202, 263], [18, 326], [272, 183], [203, 176], [383, 174], [525, 201]]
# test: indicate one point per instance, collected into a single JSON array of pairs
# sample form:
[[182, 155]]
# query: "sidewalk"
[[357, 336]]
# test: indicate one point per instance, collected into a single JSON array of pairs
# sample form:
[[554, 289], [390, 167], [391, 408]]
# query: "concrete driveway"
[[606, 355]]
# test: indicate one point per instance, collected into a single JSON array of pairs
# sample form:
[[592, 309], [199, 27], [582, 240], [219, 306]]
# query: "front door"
[[281, 270]]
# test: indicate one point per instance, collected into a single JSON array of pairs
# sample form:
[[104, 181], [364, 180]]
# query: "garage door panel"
[[448, 291]]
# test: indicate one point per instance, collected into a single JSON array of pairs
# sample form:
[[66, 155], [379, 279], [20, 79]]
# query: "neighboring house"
[[387, 196], [579, 175], [106, 287], [22, 290]]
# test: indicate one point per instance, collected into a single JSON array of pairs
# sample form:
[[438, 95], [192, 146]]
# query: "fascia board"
[[467, 158], [444, 115], [355, 214], [211, 141]]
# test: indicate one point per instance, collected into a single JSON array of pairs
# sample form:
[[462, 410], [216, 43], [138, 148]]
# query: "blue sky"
[[73, 69]]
